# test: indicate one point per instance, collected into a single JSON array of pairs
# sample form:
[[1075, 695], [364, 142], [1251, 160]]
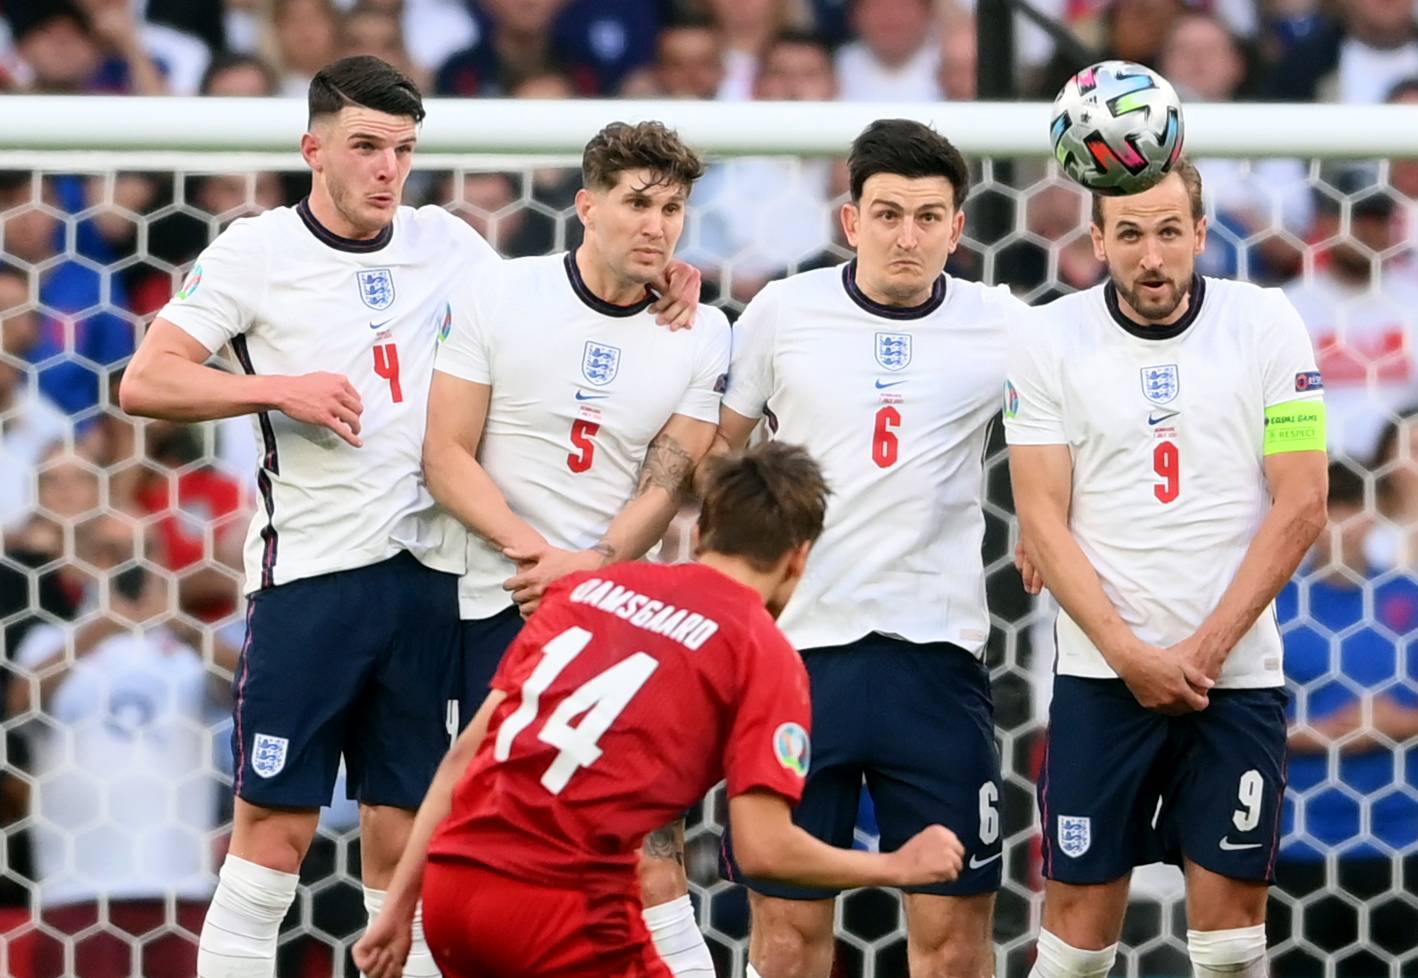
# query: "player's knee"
[[1058, 959], [791, 940], [661, 880], [956, 958], [1235, 953], [275, 839]]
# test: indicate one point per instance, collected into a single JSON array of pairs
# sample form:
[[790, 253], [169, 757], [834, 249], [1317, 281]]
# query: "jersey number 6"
[[885, 446]]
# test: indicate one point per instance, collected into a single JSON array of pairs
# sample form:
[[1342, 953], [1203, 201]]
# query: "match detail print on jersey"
[[1295, 426]]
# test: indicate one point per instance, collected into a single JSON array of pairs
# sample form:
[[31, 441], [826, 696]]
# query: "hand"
[[538, 569], [1033, 580], [679, 296], [324, 399], [1206, 656], [381, 952], [932, 855], [1162, 680]]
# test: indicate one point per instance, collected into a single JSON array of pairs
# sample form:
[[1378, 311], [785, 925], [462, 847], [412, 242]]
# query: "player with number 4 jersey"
[[1167, 441], [888, 371], [630, 693]]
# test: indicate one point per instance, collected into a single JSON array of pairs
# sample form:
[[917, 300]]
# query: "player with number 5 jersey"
[[630, 693], [1167, 441], [887, 370]]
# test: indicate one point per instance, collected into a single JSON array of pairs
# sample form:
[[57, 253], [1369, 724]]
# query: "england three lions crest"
[[1160, 384], [893, 350], [268, 755], [1075, 834], [376, 287], [600, 363]]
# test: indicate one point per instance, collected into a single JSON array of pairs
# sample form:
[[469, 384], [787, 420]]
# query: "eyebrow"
[[375, 137]]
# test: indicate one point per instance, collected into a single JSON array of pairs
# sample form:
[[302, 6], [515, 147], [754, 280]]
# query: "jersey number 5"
[[598, 702], [582, 431], [1166, 462]]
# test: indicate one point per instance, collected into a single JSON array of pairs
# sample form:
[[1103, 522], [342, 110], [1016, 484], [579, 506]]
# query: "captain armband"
[[1295, 426]]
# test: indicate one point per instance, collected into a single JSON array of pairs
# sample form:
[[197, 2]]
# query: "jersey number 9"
[[1166, 462]]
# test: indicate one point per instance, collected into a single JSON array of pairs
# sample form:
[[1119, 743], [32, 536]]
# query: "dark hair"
[[652, 146], [798, 37], [906, 148], [25, 23], [1346, 487], [692, 22], [364, 80], [229, 61], [130, 582], [762, 504], [1191, 179]]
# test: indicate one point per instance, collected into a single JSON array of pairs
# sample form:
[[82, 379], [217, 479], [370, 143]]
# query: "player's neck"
[[323, 209], [603, 283], [743, 572], [1171, 318], [869, 289]]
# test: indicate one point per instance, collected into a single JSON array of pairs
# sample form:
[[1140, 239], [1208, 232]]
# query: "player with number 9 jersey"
[[628, 696]]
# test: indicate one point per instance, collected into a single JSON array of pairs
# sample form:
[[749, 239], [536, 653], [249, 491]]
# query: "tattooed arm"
[[641, 522], [662, 876]]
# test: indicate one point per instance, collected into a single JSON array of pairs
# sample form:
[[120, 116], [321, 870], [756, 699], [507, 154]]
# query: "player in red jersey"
[[632, 692]]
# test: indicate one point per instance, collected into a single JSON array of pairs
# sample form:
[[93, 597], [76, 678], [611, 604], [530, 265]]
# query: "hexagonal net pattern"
[[122, 618]]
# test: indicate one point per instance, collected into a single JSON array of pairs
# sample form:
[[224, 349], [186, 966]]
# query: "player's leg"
[[299, 672], [668, 913], [1228, 818], [483, 642], [933, 759], [393, 753], [791, 926], [1106, 761]]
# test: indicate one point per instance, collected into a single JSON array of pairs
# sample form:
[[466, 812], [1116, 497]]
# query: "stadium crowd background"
[[116, 740]]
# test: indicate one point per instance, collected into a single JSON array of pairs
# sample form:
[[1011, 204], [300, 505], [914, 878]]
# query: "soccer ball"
[[1117, 128]]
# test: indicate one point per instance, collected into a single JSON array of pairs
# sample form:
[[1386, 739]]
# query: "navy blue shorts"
[[359, 662], [1123, 786], [916, 722], [484, 641]]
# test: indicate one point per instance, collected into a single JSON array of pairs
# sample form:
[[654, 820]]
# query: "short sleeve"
[[478, 249], [711, 367], [1033, 409], [219, 299], [1289, 371], [751, 380], [465, 351], [770, 738]]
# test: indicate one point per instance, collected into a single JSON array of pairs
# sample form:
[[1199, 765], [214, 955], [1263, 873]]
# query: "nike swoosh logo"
[[381, 325], [881, 387], [583, 396], [1228, 846], [1155, 418], [976, 863]]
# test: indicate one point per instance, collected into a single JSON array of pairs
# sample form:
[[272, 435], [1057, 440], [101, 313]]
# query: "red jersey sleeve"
[[769, 739]]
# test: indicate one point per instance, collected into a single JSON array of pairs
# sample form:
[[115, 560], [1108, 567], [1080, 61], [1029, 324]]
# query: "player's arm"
[[1299, 483], [382, 950], [662, 489], [1042, 476], [457, 412], [168, 378], [767, 845]]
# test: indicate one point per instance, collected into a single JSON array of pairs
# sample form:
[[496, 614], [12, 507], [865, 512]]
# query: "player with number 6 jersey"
[[1167, 442], [630, 693], [887, 370]]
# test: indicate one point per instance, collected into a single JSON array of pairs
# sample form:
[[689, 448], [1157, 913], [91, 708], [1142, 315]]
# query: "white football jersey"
[[1166, 426], [580, 388], [290, 297], [894, 404], [124, 796]]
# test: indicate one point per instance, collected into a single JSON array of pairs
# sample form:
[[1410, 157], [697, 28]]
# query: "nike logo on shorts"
[[976, 862], [1228, 846]]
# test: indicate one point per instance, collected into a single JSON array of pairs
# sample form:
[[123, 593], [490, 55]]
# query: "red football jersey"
[[630, 694]]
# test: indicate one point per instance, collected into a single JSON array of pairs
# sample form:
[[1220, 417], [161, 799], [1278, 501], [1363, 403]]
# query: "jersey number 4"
[[597, 702], [386, 365]]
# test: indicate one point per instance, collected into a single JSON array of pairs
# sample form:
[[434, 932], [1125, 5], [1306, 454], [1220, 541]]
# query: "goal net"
[[120, 618]]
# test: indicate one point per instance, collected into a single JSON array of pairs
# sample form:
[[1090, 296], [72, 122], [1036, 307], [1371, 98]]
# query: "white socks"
[[239, 934], [420, 963], [1236, 953], [1055, 959], [677, 938]]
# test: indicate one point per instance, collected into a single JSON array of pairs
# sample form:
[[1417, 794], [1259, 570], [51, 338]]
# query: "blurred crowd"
[[120, 612]]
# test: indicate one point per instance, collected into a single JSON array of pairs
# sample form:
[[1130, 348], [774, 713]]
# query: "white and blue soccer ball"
[[1117, 128]]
